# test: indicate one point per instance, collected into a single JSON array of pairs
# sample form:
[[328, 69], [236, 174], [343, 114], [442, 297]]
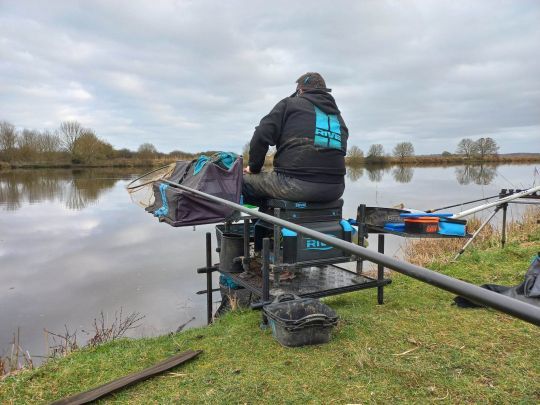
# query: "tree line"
[[467, 149], [70, 143]]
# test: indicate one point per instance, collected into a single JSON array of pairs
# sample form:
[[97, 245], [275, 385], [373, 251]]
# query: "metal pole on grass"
[[503, 232], [475, 234], [209, 302]]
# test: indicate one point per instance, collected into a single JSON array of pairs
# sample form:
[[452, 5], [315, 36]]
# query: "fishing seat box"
[[321, 217]]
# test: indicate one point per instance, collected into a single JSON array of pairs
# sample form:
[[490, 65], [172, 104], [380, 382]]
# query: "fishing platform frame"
[[314, 279]]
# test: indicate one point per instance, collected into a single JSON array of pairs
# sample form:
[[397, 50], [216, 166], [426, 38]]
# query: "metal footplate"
[[314, 281]]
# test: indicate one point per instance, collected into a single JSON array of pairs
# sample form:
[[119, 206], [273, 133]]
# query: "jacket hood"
[[322, 100]]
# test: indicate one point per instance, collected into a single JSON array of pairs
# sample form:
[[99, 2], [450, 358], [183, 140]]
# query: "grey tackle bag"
[[219, 175]]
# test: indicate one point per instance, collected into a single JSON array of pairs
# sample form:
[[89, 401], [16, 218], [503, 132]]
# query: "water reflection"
[[481, 175], [376, 172], [354, 173], [76, 189], [403, 174]]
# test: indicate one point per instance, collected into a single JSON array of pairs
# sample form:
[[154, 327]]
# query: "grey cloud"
[[199, 75]]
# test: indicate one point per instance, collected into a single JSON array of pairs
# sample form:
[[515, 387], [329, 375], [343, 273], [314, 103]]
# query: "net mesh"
[[140, 189]]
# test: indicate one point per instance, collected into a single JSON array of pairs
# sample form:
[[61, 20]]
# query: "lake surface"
[[73, 244]]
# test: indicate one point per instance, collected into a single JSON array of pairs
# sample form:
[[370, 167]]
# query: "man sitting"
[[311, 140]]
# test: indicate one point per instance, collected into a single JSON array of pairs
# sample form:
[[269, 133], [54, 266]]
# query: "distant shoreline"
[[415, 161]]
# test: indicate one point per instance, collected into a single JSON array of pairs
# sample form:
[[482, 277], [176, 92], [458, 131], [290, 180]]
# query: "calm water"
[[72, 244]]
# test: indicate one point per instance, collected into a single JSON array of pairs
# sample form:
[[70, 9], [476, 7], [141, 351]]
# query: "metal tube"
[[525, 202], [380, 270], [361, 221], [266, 270], [475, 234], [277, 233], [503, 232], [265, 278], [495, 203], [511, 306], [209, 302], [245, 261]]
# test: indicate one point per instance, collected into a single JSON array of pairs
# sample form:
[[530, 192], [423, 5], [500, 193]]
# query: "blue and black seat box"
[[322, 217]]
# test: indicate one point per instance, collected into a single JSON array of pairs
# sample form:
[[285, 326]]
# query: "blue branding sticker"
[[301, 205], [312, 244], [327, 130]]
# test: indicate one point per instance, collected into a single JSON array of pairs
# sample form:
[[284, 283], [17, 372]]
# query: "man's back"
[[311, 140]]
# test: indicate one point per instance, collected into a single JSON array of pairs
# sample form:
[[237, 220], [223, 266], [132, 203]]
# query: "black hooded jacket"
[[310, 136]]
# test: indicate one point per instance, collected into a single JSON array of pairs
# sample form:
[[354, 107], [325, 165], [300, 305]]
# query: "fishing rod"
[[495, 203], [463, 203], [510, 306]]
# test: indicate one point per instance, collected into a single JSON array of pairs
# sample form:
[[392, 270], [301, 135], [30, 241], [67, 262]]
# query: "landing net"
[[140, 189]]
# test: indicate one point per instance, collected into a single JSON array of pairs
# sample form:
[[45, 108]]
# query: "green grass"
[[417, 347]]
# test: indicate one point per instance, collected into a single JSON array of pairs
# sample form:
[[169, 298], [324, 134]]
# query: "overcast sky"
[[199, 75]]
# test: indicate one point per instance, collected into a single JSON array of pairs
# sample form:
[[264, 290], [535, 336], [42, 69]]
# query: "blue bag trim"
[[164, 210], [227, 159], [203, 159], [347, 227], [288, 233], [228, 282]]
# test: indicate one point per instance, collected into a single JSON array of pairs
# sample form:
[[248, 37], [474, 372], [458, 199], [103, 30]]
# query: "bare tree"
[[467, 147], [49, 142], [28, 144], [355, 155], [8, 139], [70, 132], [486, 147], [147, 150], [376, 152], [403, 150]]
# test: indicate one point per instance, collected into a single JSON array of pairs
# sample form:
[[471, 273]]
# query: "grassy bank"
[[415, 348]]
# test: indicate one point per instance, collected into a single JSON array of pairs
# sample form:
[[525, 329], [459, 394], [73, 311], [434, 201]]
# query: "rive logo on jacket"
[[327, 130], [310, 136]]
